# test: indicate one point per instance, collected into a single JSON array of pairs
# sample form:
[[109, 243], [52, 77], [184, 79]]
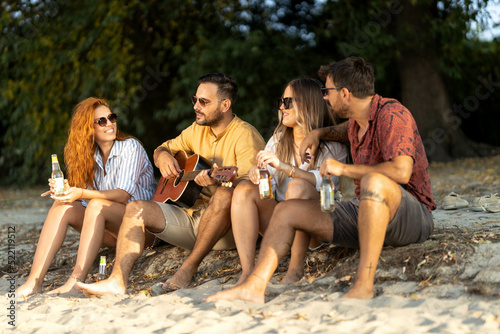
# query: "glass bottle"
[[265, 189], [327, 191], [102, 269], [57, 176]]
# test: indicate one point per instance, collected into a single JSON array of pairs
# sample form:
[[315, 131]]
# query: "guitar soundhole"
[[178, 178]]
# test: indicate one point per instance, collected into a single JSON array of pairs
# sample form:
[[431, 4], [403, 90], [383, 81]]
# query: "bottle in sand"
[[57, 176], [102, 269]]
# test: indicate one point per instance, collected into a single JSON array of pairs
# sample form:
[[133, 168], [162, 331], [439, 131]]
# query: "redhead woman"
[[301, 109], [106, 169]]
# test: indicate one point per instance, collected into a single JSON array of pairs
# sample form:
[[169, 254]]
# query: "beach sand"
[[448, 284]]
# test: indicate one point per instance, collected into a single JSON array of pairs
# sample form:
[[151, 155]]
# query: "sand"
[[448, 284]]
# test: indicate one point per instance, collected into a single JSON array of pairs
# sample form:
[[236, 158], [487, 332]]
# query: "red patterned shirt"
[[392, 132]]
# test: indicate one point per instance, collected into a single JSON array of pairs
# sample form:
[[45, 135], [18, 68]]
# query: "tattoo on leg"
[[369, 195], [370, 267], [258, 277]]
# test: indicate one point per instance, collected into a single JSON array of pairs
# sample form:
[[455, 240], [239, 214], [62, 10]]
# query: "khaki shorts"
[[412, 223], [181, 229]]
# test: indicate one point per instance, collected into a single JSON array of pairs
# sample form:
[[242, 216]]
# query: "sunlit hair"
[[311, 112], [81, 145], [227, 88], [352, 73]]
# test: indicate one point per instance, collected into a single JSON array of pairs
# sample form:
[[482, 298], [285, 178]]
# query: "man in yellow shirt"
[[219, 137]]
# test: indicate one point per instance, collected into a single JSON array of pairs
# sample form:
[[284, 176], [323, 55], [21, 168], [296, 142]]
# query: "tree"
[[144, 57], [418, 44]]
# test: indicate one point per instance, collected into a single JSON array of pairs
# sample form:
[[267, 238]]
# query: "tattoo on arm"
[[337, 133], [368, 195]]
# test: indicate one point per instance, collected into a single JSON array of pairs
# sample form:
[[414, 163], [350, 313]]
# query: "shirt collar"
[[115, 150], [374, 107], [230, 125]]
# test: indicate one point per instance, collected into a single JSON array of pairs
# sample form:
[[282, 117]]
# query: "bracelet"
[[81, 194], [79, 280], [292, 172]]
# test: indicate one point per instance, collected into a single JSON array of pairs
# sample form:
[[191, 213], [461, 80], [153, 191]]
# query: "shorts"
[[412, 223], [181, 229]]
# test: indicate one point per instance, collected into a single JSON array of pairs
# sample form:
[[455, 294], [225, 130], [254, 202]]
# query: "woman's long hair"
[[81, 145], [311, 112]]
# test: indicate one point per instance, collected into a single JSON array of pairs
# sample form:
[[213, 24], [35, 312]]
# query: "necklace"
[[296, 145]]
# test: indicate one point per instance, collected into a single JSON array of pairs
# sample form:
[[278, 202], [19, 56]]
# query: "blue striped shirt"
[[128, 168]]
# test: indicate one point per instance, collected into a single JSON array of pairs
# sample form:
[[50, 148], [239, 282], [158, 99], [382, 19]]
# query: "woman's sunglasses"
[[287, 102], [103, 121]]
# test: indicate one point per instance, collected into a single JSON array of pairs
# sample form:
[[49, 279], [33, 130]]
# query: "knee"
[[283, 213], [374, 181], [134, 210], [221, 199], [244, 191], [95, 205], [299, 189]]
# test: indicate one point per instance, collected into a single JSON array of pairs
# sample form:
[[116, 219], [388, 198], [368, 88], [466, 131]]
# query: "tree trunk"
[[423, 90]]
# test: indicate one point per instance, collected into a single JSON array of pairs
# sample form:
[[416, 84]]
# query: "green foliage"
[[144, 57]]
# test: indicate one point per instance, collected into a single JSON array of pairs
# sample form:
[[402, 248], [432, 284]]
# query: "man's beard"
[[213, 121]]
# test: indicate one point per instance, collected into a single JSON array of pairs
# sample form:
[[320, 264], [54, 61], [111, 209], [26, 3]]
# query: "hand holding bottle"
[[254, 175], [70, 195], [265, 158]]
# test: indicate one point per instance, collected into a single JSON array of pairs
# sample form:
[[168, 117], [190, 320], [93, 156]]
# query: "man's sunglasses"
[[103, 121], [325, 90], [202, 101], [287, 102]]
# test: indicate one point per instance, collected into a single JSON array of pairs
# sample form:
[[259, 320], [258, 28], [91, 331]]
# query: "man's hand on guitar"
[[204, 179], [168, 165]]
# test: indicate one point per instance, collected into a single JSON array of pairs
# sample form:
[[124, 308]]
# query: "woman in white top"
[[301, 109], [106, 169]]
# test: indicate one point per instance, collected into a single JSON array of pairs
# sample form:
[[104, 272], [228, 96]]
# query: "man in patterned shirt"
[[394, 199]]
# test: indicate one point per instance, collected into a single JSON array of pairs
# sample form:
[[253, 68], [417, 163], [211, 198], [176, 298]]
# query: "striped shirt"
[[128, 168]]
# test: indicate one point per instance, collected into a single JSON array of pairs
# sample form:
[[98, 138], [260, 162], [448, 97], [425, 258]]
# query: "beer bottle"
[[265, 188], [327, 191], [102, 269], [57, 176]]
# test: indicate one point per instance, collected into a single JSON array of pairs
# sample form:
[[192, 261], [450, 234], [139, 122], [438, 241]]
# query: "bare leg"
[[50, 241], [249, 216], [139, 215], [379, 200], [214, 223], [298, 189], [288, 217], [101, 217]]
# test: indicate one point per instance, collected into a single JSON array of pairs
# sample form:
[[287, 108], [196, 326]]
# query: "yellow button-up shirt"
[[237, 145]]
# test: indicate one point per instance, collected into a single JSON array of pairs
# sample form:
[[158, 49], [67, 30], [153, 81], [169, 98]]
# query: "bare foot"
[[101, 288], [242, 278], [292, 276], [359, 293], [246, 291], [181, 279], [27, 290], [69, 288]]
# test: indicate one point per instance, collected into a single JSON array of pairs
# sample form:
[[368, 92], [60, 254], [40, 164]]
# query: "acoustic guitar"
[[182, 190]]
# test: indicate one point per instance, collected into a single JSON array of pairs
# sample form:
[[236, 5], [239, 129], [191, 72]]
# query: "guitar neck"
[[189, 176]]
